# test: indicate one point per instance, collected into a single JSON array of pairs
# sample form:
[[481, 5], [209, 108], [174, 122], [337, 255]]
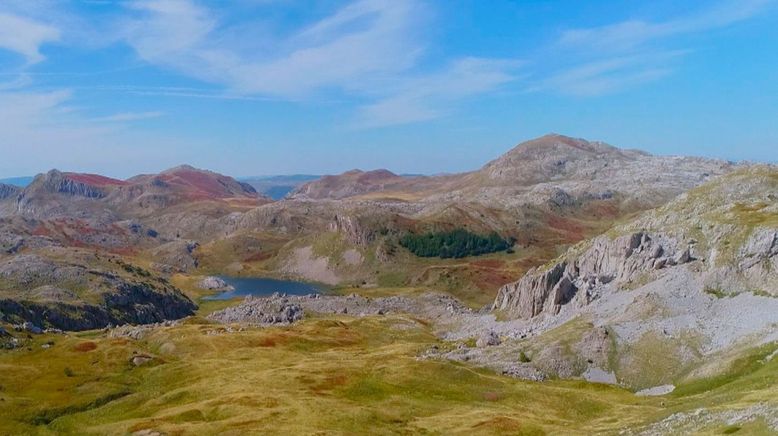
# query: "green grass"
[[344, 375], [335, 374]]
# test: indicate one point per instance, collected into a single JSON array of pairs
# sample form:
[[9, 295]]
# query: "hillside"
[[693, 280]]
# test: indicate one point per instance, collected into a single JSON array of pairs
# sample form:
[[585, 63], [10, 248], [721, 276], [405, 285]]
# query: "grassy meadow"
[[330, 375]]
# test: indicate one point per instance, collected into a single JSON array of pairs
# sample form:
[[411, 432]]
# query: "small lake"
[[262, 287]]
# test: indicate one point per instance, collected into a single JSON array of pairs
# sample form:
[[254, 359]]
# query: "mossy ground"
[[339, 375]]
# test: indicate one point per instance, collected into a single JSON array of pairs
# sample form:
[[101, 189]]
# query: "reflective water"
[[262, 287]]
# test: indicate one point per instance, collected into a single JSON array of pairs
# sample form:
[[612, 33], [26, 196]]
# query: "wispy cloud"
[[25, 36], [429, 96], [630, 34], [128, 116], [621, 55], [369, 49], [609, 75], [54, 132], [368, 37]]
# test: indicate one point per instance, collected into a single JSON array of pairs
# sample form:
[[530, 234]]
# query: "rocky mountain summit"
[[553, 169], [50, 194], [562, 171]]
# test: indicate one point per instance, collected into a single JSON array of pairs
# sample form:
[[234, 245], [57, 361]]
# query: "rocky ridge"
[[74, 295]]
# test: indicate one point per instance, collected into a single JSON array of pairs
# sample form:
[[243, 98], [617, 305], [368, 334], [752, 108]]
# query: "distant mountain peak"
[[184, 168], [347, 184]]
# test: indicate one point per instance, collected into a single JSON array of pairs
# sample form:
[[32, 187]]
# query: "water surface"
[[262, 287]]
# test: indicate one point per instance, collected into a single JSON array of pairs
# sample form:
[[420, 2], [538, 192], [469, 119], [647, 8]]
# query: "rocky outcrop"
[[285, 309], [261, 311], [761, 246], [70, 296], [729, 224], [180, 254], [488, 339], [8, 191], [211, 283], [129, 304], [576, 278], [352, 229], [59, 183]]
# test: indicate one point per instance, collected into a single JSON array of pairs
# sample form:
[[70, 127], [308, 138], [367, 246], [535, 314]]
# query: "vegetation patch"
[[718, 293], [49, 415], [83, 347], [454, 244]]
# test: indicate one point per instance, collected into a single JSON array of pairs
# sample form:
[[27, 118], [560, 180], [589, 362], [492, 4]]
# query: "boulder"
[[212, 283], [29, 328], [488, 339], [140, 359]]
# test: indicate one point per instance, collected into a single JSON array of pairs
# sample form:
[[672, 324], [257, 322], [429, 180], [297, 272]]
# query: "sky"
[[258, 87]]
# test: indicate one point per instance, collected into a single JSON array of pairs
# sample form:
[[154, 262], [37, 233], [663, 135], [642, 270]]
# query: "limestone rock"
[[577, 276], [488, 339]]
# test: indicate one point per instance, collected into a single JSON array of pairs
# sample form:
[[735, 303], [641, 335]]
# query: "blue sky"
[[251, 87]]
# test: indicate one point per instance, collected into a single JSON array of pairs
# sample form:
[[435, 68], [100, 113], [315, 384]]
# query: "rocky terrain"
[[691, 280], [288, 309], [73, 290]]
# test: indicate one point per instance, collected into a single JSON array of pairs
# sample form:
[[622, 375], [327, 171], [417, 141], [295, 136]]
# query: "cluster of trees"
[[454, 244]]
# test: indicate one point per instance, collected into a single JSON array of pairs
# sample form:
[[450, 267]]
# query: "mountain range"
[[646, 272]]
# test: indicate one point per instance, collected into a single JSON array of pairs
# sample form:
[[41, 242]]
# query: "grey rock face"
[[577, 277], [56, 182], [42, 295], [8, 191], [488, 339], [762, 246]]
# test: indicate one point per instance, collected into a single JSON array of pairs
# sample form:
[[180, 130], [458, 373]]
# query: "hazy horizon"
[[321, 87], [4, 177]]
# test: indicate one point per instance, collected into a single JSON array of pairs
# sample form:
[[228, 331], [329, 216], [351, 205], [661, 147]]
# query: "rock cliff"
[[728, 227]]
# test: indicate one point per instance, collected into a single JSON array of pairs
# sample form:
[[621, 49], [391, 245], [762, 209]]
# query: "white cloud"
[[368, 37], [368, 49], [25, 37]]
